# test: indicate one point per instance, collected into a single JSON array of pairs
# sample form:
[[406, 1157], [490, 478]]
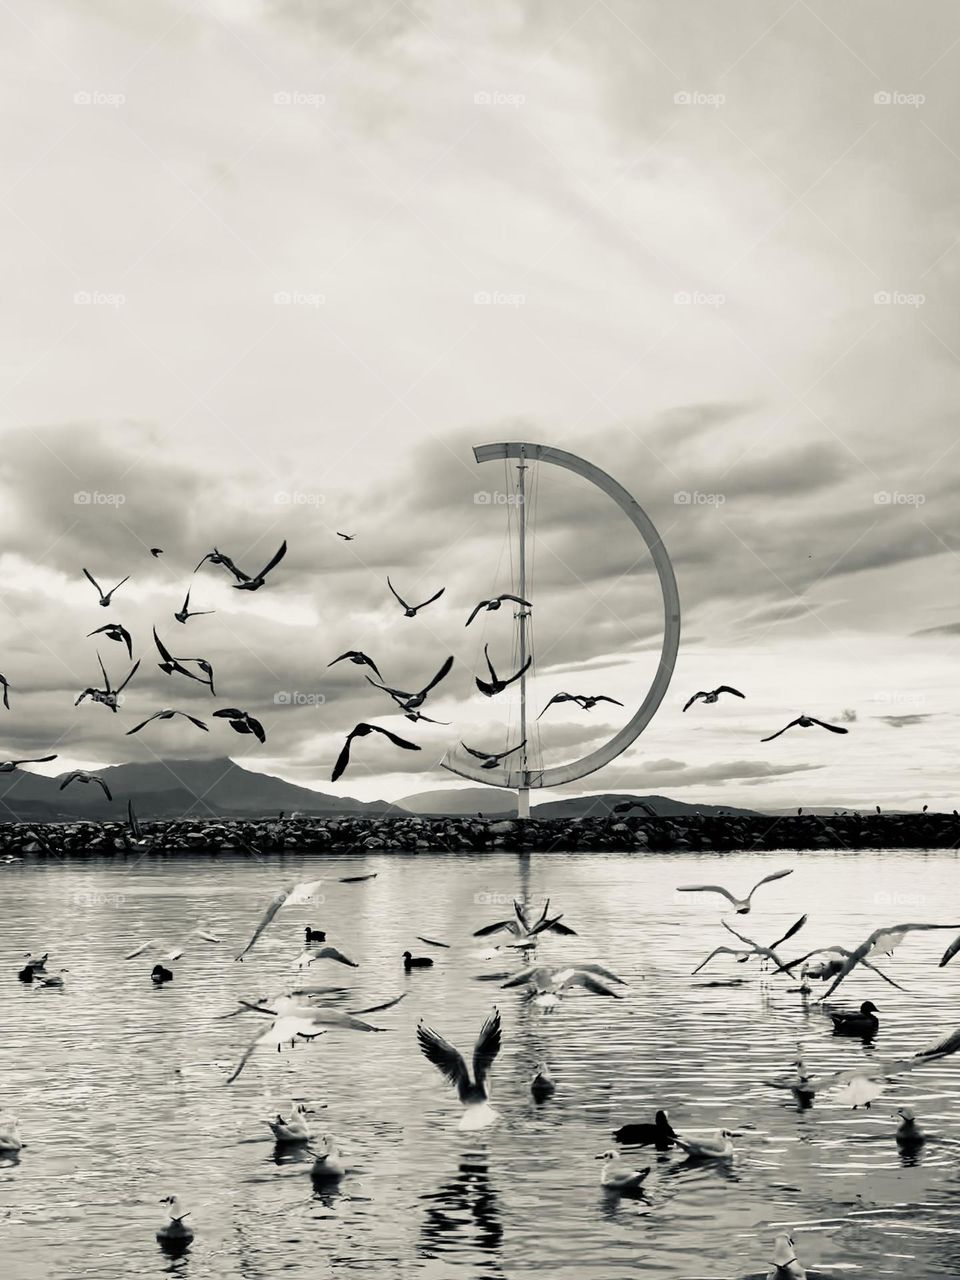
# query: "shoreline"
[[260, 837]]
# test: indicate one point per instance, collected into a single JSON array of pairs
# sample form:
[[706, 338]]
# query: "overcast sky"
[[243, 243]]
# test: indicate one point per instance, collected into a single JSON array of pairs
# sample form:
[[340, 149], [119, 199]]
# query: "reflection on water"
[[120, 1087]]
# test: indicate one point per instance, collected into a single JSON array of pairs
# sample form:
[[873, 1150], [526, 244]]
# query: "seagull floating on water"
[[740, 905], [10, 1138], [784, 1261], [296, 1129], [176, 1230], [718, 1146]]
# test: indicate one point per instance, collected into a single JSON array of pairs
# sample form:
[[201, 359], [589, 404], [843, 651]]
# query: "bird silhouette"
[[105, 597], [259, 579], [363, 730], [80, 775], [495, 684], [218, 557], [242, 722], [411, 610], [410, 701], [185, 612], [108, 696], [713, 695], [358, 658], [167, 714], [8, 766], [493, 605], [489, 759], [804, 722]]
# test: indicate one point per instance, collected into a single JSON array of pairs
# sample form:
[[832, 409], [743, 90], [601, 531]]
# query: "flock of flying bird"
[[302, 1012]]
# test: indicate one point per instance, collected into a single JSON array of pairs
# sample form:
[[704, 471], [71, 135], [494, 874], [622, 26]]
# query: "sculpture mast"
[[523, 793]]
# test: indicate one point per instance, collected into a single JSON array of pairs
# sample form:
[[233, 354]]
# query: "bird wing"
[[487, 1047], [479, 755], [834, 728], [774, 875], [779, 731], [476, 609], [127, 639], [707, 888], [398, 741], [343, 759], [230, 713], [432, 598], [517, 674], [492, 928], [743, 938], [444, 1057], [950, 952], [137, 727], [794, 928], [71, 777], [331, 953], [490, 667], [949, 1044], [378, 1008], [602, 972], [581, 978], [557, 697], [439, 676], [340, 659], [726, 688], [717, 951], [144, 946], [520, 912], [602, 697], [517, 600], [535, 973], [94, 581], [161, 649], [106, 627], [690, 701], [397, 594], [275, 561], [103, 672], [106, 789], [556, 926], [228, 564], [119, 585], [268, 915], [194, 720], [36, 760]]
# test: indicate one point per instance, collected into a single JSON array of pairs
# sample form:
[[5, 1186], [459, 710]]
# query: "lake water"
[[112, 1125]]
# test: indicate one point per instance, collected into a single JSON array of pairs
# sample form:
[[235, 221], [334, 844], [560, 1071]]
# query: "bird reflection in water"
[[464, 1213]]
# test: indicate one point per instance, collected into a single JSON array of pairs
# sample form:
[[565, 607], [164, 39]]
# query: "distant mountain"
[[493, 801], [171, 789]]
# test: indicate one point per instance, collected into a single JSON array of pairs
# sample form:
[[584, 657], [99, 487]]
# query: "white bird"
[[718, 1146], [617, 1175], [293, 895], [328, 1166], [296, 1129], [10, 1139], [784, 1261], [293, 1022], [176, 1231], [880, 942], [522, 927], [740, 905], [756, 948], [311, 954], [175, 952], [473, 1093], [548, 985]]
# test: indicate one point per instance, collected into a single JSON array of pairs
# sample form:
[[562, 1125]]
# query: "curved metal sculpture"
[[521, 779]]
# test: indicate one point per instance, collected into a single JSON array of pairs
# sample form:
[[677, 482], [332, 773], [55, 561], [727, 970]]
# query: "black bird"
[[156, 551], [160, 975], [493, 605], [114, 631], [495, 684], [416, 962], [624, 806], [410, 701], [713, 695], [242, 722], [804, 722], [218, 557], [314, 935], [418, 715], [8, 766], [185, 612], [411, 610], [258, 580], [170, 664], [167, 714], [585, 701], [362, 730], [358, 658], [489, 758], [6, 691], [347, 537], [108, 696], [865, 1023], [660, 1134], [80, 775], [105, 598]]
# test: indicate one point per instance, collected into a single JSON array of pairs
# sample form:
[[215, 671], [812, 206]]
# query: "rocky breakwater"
[[716, 833]]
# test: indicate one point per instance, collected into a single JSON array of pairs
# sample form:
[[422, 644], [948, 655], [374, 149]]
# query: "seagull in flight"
[[8, 766], [740, 905], [362, 730], [804, 722], [411, 610], [105, 598], [6, 691], [294, 895], [185, 612], [493, 605], [713, 695], [489, 759], [624, 806], [472, 1090], [108, 696], [293, 1022], [881, 942], [172, 665], [521, 926], [218, 557], [242, 722], [495, 684], [259, 579], [156, 551], [347, 537], [168, 714], [585, 701], [756, 948], [80, 775], [173, 953], [358, 658], [410, 701], [114, 631], [549, 984]]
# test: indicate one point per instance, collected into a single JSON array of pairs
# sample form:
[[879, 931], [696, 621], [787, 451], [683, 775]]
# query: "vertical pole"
[[523, 794]]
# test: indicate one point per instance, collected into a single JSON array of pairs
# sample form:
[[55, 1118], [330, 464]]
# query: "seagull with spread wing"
[[740, 905], [80, 775], [521, 926], [547, 985], [8, 766], [490, 759], [171, 665], [712, 695], [293, 1021], [359, 659], [108, 696], [473, 1091], [242, 722], [105, 597], [411, 610], [5, 683], [493, 605], [881, 942], [259, 579], [167, 714], [363, 730], [411, 701], [217, 557], [495, 685], [804, 722], [114, 631], [585, 701], [311, 954], [756, 948], [294, 895], [167, 952], [185, 612]]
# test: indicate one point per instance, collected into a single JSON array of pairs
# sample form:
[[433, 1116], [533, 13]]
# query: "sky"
[[272, 268]]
